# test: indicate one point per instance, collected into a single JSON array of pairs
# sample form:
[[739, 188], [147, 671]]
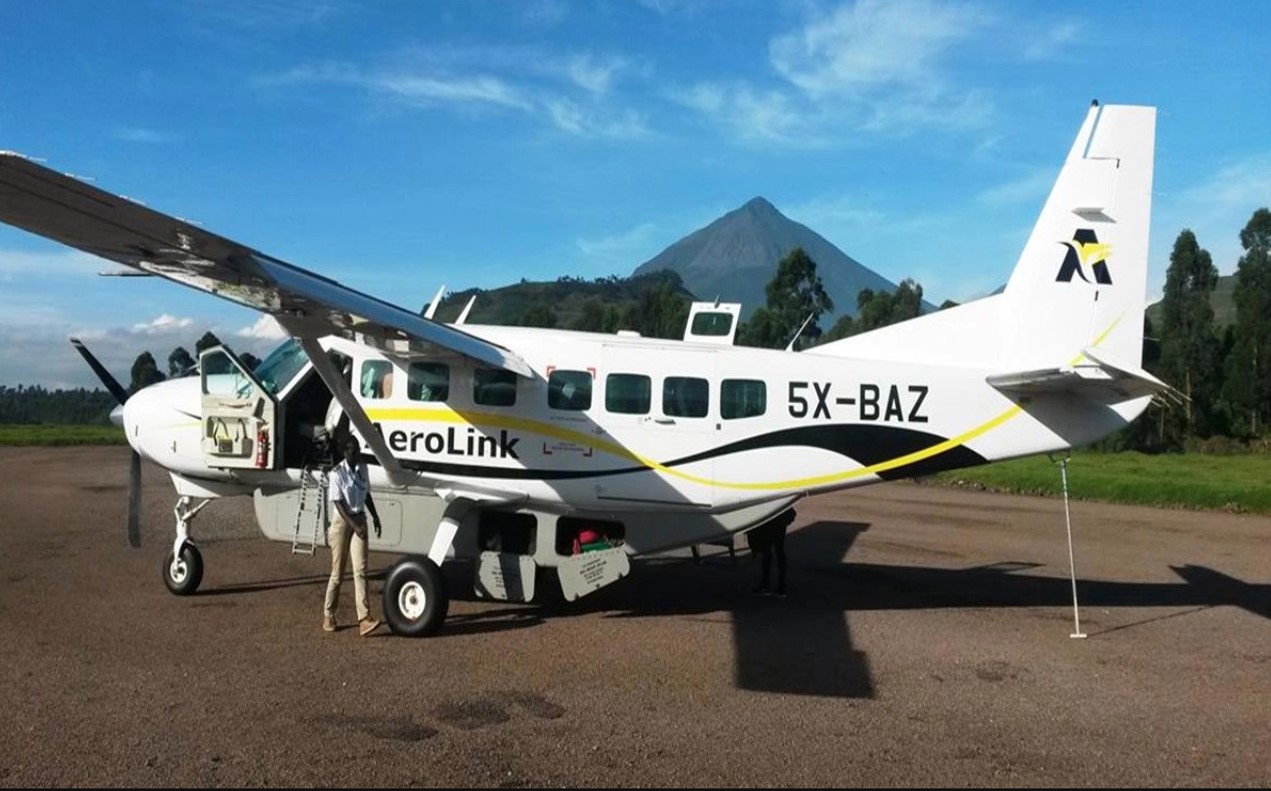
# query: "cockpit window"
[[277, 370]]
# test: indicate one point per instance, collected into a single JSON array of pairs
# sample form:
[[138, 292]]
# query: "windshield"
[[281, 366]]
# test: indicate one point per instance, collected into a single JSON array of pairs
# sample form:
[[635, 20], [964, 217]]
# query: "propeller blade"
[[116, 417], [120, 394], [134, 501]]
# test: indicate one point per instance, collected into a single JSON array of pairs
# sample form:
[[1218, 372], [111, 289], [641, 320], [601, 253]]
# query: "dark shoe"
[[761, 591], [781, 593]]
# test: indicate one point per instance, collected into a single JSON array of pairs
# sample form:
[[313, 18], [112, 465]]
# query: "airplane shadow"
[[802, 644]]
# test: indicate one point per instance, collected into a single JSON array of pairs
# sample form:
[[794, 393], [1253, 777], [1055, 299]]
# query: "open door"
[[240, 417]]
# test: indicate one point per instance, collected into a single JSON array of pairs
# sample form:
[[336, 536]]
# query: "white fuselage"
[[695, 427]]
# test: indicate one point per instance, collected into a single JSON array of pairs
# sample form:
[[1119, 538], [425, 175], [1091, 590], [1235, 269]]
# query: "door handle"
[[664, 421]]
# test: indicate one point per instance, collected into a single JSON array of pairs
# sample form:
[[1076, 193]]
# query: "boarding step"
[[311, 511]]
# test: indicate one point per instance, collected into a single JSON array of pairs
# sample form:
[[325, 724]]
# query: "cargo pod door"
[[240, 416]]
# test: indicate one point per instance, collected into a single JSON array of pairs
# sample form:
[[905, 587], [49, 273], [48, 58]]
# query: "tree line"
[[1224, 376]]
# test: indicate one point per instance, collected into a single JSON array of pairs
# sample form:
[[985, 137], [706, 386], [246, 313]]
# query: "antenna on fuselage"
[[466, 310], [432, 306], [802, 327]]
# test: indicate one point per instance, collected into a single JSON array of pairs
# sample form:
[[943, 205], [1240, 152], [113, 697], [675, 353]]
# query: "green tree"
[[144, 372], [1189, 348], [179, 362], [793, 294], [538, 315], [1248, 389], [591, 316], [206, 342], [845, 326], [659, 311]]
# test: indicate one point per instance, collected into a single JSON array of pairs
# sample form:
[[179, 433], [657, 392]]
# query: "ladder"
[[313, 482]]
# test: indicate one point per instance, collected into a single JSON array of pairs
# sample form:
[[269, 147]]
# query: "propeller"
[[134, 467]]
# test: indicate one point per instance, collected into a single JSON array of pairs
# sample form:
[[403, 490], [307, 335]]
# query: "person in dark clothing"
[[767, 540]]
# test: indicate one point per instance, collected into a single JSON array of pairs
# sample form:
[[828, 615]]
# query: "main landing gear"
[[415, 597], [183, 567]]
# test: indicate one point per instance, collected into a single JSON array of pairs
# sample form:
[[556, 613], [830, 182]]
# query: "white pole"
[[1072, 566]]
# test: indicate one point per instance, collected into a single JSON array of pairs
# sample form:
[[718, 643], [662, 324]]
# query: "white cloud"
[[873, 44], [573, 92], [426, 90], [592, 73], [164, 324], [265, 328], [266, 14], [875, 66], [1030, 188], [1215, 208], [575, 119], [752, 114], [1050, 40], [41, 353]]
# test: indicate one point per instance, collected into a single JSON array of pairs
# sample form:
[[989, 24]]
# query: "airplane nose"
[[117, 416]]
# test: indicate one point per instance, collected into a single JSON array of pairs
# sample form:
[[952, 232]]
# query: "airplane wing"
[[1095, 377], [67, 210], [307, 305]]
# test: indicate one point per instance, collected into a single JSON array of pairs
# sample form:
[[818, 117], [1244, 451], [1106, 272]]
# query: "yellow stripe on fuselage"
[[493, 420]]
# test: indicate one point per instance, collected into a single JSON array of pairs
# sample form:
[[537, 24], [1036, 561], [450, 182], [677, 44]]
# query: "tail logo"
[[1084, 250]]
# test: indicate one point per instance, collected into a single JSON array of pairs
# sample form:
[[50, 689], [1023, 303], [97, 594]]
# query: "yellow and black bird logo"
[[1084, 250]]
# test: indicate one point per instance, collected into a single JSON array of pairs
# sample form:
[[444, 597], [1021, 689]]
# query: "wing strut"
[[335, 381]]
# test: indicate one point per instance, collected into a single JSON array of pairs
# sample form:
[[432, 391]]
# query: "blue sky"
[[397, 146]]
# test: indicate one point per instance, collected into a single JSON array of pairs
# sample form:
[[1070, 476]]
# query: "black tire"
[[415, 598], [185, 578]]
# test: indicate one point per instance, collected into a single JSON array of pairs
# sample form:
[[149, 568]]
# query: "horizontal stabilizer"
[[1093, 377]]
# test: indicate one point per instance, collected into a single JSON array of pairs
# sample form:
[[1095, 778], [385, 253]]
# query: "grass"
[[1240, 483], [1237, 483], [47, 434]]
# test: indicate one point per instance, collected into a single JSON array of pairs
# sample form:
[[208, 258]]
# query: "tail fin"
[[1078, 285], [1081, 281]]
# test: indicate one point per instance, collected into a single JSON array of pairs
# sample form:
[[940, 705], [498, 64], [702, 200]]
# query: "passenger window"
[[569, 390], [684, 396], [628, 394], [493, 387], [742, 398], [428, 382], [377, 379]]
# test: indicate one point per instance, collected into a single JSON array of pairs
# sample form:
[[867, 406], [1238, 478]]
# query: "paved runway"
[[925, 641]]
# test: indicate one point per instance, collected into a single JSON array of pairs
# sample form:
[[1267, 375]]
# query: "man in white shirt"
[[350, 492]]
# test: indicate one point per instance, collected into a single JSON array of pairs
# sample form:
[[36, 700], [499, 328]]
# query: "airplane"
[[524, 449]]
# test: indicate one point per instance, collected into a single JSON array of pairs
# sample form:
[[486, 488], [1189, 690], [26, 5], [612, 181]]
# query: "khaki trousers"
[[343, 543]]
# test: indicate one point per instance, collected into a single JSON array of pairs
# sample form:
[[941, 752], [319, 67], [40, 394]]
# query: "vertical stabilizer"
[[1081, 280]]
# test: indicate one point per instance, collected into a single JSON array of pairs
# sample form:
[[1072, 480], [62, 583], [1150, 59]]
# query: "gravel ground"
[[925, 642]]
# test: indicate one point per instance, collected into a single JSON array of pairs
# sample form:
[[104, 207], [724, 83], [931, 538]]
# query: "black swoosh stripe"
[[867, 445]]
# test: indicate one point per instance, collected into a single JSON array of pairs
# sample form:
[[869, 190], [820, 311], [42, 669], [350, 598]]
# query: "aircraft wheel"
[[415, 599], [183, 575]]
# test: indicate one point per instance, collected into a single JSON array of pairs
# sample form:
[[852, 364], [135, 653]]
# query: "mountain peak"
[[760, 205], [735, 256]]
